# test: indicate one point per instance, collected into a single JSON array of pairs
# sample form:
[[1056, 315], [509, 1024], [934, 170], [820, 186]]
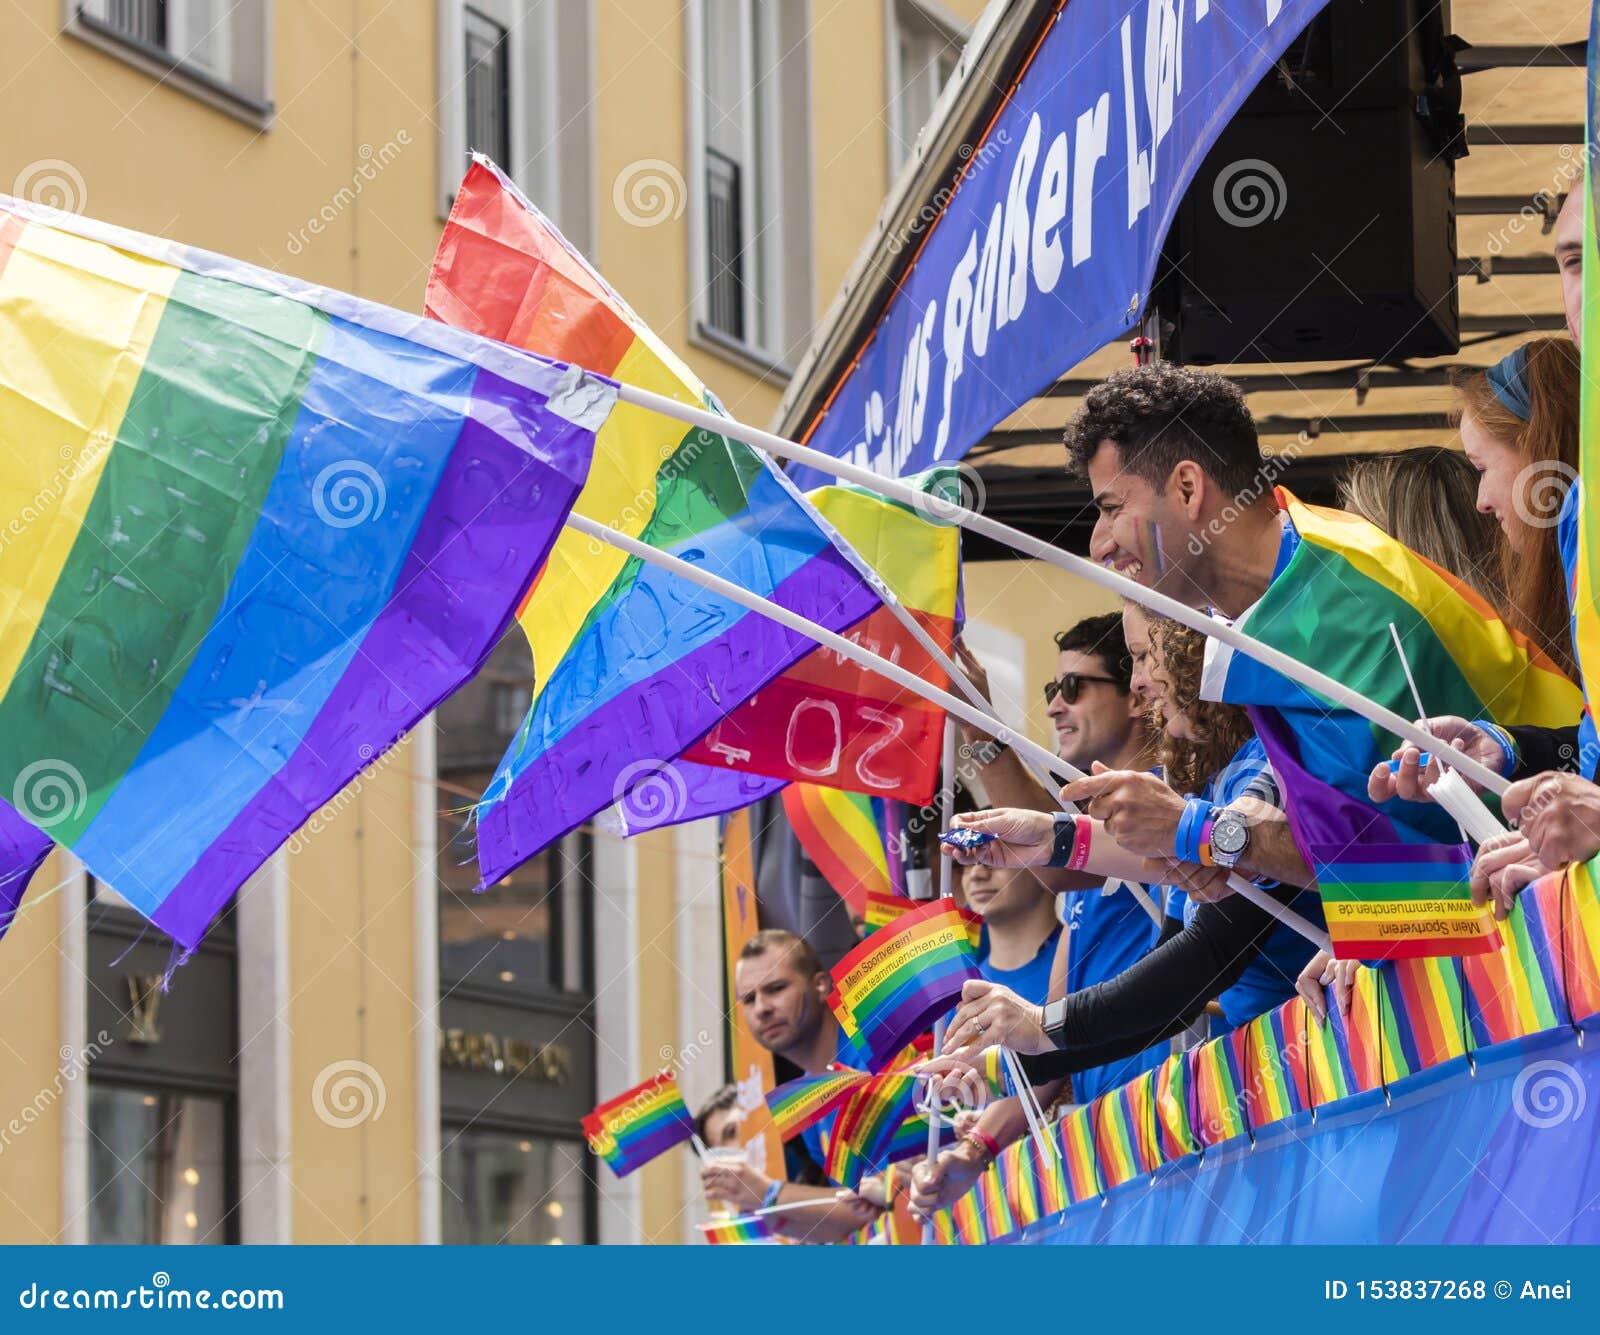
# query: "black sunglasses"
[[1069, 686]]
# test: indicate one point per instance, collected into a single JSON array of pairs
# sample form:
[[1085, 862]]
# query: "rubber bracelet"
[[1082, 839], [984, 1141], [771, 1198], [1205, 858], [1186, 843], [1423, 760], [1508, 747]]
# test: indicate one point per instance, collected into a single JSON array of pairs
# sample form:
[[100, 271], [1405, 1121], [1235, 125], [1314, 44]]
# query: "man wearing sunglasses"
[[1097, 717]]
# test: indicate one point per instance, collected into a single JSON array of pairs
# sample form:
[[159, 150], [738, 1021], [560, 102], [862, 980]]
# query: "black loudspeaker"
[[1321, 226]]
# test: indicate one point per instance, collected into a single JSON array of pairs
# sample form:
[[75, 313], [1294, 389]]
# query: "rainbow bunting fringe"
[[632, 664], [639, 1124], [898, 979], [743, 1229], [324, 513], [1080, 1164]]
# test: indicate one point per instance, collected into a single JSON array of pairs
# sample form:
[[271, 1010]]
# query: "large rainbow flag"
[[632, 664], [640, 1123], [265, 528], [1393, 880], [848, 838]]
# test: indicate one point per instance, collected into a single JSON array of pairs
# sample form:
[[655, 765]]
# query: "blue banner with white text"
[[1048, 246]]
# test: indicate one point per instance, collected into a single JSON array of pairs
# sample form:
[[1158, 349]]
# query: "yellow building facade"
[[311, 1075]]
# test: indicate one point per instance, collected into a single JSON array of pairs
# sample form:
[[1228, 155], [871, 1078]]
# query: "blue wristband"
[[1186, 842], [771, 1198], [1507, 747]]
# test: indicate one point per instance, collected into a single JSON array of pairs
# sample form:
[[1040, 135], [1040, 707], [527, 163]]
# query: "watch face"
[[1229, 836]]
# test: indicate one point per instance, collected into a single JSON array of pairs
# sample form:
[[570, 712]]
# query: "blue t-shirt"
[[1032, 981], [1567, 540], [1110, 933], [814, 1137], [1269, 978]]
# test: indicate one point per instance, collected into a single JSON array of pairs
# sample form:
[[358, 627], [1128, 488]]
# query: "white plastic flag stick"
[[1030, 1103], [895, 673], [947, 810], [1450, 791], [1120, 585]]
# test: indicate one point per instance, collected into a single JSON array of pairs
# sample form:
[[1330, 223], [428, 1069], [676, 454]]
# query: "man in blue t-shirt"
[[1020, 930]]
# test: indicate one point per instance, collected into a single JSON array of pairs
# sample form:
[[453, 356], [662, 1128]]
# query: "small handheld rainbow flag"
[[740, 1229], [639, 1124], [885, 910], [799, 1103], [900, 978]]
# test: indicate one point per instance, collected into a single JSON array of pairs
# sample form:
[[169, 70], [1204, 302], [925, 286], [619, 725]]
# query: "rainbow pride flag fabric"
[[639, 1124], [901, 977], [846, 836], [742, 1230], [798, 1103], [1393, 879], [266, 527], [632, 664]]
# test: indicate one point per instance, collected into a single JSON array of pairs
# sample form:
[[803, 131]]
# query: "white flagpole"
[[947, 810], [1120, 585], [895, 673]]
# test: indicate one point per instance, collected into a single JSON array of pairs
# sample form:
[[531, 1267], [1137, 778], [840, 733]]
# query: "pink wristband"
[[1082, 836]]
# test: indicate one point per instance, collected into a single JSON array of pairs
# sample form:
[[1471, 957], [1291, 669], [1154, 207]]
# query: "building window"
[[217, 50], [515, 85], [487, 85], [509, 703], [749, 81], [158, 1167], [923, 51], [500, 1187]]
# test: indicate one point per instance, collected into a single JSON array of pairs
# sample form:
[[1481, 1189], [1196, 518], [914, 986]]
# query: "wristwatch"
[[1230, 837], [1055, 1021], [987, 751]]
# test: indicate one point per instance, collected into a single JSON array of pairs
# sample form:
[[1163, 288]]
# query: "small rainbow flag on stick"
[[639, 1124], [897, 980], [740, 1229], [799, 1103]]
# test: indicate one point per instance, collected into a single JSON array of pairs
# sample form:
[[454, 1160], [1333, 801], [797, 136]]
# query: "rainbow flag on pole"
[[632, 664], [639, 1124], [798, 1103], [742, 1229], [1393, 879], [890, 986], [265, 528], [845, 836]]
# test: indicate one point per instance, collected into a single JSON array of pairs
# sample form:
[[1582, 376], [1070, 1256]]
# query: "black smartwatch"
[[1055, 1021]]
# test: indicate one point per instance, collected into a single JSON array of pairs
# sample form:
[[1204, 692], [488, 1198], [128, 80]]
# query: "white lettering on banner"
[[1139, 174], [790, 737], [894, 726], [1048, 214], [1011, 285], [957, 317], [988, 276], [1094, 136]]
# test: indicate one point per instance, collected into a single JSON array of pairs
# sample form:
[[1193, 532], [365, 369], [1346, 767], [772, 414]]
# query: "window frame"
[[255, 108], [783, 267], [928, 15]]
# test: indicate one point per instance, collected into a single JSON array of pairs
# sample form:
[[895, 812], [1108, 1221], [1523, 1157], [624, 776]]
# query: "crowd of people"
[[1112, 931]]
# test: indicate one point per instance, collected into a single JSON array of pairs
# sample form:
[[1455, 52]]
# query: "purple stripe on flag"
[[22, 849], [637, 1153], [510, 482], [1450, 856], [690, 791], [630, 739]]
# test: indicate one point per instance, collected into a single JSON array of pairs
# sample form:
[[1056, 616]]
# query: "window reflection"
[[157, 1166], [503, 1188]]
